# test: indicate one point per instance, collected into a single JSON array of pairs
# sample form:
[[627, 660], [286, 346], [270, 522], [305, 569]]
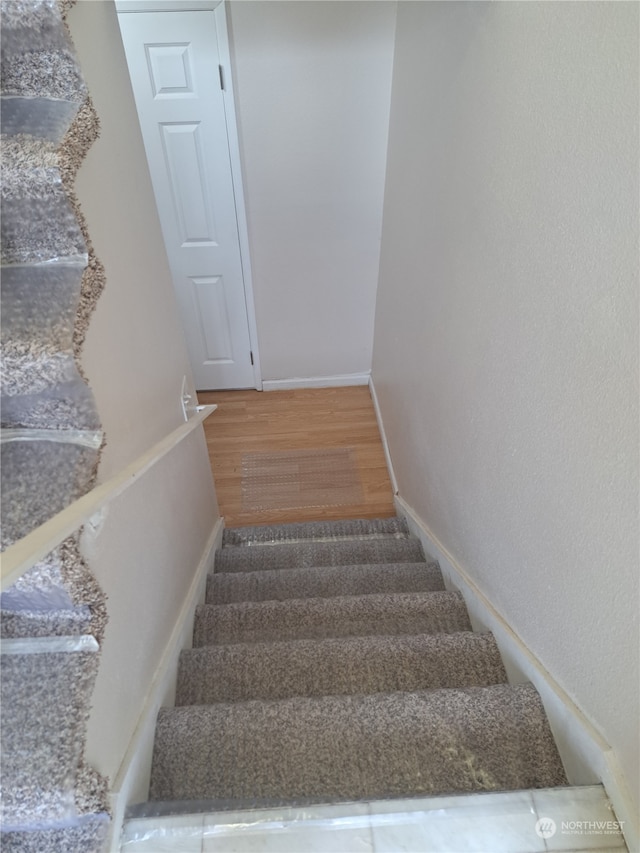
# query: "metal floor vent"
[[300, 478]]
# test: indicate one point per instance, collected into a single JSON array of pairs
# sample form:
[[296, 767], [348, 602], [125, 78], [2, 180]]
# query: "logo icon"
[[545, 827]]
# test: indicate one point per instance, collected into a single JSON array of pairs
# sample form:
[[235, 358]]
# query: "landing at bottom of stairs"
[[541, 821]]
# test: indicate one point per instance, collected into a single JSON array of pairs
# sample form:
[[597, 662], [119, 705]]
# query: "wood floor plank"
[[306, 419]]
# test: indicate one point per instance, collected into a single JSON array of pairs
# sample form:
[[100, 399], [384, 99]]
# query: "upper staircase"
[[330, 664]]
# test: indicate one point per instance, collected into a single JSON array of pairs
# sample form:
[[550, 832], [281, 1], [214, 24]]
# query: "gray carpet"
[[307, 554], [345, 665], [323, 582], [329, 664], [346, 616], [271, 534], [50, 619], [356, 747], [45, 690], [88, 834]]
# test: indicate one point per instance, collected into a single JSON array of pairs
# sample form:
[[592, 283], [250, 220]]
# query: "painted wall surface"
[[506, 335], [146, 550], [312, 84], [135, 354]]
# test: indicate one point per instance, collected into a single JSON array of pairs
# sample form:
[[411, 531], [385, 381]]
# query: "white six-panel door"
[[177, 82]]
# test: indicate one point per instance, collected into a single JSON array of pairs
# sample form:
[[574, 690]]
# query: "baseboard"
[[133, 775], [585, 753], [343, 380], [383, 435]]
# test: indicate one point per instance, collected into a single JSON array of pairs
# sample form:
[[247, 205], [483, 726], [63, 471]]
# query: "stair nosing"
[[449, 592]]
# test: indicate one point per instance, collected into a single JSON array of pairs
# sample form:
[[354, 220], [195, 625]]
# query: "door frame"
[[220, 11]]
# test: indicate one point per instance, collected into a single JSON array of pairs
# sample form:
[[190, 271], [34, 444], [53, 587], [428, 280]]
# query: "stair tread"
[[330, 664], [301, 530], [323, 582], [309, 618], [41, 230], [39, 750], [313, 554], [356, 747], [348, 665]]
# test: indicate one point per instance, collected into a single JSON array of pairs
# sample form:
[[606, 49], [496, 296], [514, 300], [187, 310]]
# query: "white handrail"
[[26, 552]]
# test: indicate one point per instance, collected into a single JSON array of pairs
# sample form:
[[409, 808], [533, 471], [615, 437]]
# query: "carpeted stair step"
[[39, 479], [272, 534], [352, 665], [45, 692], [46, 117], [47, 72], [66, 406], [77, 834], [35, 368], [336, 748], [38, 221], [31, 26], [39, 302], [318, 618], [30, 168], [310, 554], [42, 87], [38, 231], [323, 582], [17, 624]]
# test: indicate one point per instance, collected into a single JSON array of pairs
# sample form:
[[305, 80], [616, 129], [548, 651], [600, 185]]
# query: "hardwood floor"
[[309, 419]]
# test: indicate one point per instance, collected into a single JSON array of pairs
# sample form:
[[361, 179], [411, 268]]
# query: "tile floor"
[[569, 819]]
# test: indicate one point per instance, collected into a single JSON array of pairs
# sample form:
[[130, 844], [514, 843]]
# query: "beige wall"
[[147, 549], [506, 335], [312, 86], [135, 354]]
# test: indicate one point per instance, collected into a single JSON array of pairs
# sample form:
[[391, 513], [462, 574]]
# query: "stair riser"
[[240, 673], [307, 555], [417, 613], [324, 582], [362, 747], [270, 534]]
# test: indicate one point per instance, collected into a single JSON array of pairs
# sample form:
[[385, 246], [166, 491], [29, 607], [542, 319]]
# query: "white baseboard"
[[586, 755], [383, 435], [343, 380], [134, 772]]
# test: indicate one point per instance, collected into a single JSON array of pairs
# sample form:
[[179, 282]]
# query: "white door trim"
[[166, 5], [238, 187]]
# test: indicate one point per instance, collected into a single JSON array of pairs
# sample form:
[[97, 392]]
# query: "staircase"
[[52, 617], [330, 664]]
